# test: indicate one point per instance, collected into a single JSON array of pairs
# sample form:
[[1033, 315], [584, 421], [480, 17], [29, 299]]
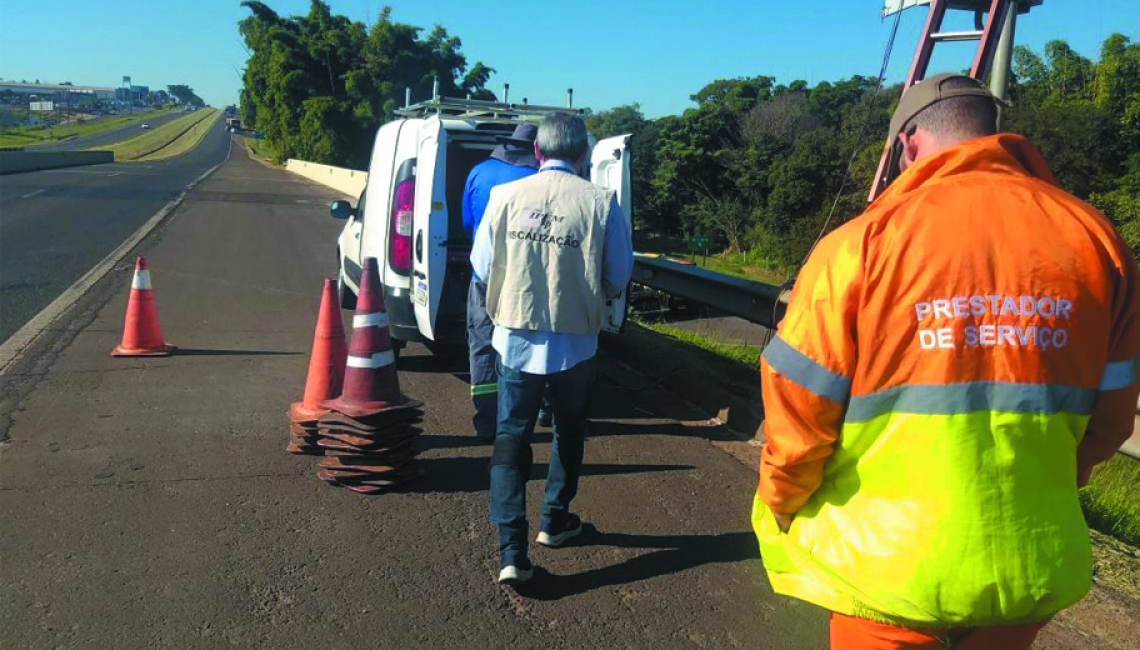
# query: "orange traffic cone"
[[326, 364], [371, 385], [142, 336]]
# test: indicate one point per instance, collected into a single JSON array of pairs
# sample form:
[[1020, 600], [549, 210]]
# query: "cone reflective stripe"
[[379, 319], [371, 384], [378, 360], [326, 362], [142, 335], [141, 279]]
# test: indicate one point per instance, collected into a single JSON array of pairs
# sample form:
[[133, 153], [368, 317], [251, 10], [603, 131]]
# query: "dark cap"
[[522, 138], [930, 91], [519, 148]]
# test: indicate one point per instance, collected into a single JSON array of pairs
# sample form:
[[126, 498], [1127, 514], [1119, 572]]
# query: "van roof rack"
[[478, 108]]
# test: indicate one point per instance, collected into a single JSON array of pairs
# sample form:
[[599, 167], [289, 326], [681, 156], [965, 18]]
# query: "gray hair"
[[563, 136]]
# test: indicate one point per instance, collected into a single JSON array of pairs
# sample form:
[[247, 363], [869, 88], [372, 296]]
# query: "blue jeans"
[[520, 395], [484, 378]]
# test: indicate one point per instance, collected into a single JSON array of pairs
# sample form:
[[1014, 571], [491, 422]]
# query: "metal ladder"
[[997, 29]]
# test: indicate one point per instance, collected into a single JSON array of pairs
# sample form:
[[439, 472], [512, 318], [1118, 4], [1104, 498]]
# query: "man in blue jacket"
[[511, 160]]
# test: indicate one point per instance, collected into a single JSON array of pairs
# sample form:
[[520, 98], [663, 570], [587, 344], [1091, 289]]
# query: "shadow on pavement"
[[197, 352], [600, 428], [675, 553], [469, 473], [595, 429], [452, 364]]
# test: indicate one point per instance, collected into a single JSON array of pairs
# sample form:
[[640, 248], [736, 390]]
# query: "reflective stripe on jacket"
[[929, 389]]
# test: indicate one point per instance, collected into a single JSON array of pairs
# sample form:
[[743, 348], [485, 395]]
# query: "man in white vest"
[[551, 248]]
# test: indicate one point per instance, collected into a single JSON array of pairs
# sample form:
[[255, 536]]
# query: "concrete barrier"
[[348, 181], [26, 161]]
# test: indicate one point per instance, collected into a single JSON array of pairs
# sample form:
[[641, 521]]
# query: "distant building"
[[62, 93]]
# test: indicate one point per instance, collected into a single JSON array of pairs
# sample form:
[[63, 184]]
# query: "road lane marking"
[[31, 194], [12, 348], [94, 173]]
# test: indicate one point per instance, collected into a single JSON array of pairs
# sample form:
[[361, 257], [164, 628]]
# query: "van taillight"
[[400, 223]]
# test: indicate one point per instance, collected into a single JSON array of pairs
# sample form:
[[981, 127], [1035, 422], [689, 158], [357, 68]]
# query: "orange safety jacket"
[[951, 365]]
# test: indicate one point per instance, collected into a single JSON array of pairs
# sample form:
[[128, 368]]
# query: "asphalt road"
[[57, 224], [108, 137], [150, 502]]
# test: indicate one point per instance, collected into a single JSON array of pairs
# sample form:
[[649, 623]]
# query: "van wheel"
[[347, 297]]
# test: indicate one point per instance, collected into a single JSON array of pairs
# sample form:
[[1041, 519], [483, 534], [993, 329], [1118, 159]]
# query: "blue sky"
[[611, 53]]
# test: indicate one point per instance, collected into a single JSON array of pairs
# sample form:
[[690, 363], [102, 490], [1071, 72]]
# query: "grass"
[[1110, 501], [158, 142], [746, 358], [186, 141], [742, 265], [261, 150], [29, 136]]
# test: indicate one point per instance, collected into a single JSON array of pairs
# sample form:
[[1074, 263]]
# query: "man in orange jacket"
[[952, 366]]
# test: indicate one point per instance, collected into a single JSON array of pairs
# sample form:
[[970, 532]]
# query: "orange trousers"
[[849, 633]]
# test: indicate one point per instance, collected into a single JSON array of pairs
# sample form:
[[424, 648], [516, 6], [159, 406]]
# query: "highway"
[[57, 224], [108, 137], [150, 502]]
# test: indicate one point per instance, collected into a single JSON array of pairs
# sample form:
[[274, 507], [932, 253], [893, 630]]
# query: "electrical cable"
[[851, 162]]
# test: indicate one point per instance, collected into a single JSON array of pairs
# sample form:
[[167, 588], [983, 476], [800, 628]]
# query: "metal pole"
[[407, 96], [506, 93], [569, 98], [999, 75], [435, 88]]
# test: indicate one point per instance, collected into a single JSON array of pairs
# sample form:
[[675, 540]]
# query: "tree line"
[[319, 85], [757, 165]]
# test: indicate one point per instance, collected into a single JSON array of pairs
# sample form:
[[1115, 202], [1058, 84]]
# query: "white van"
[[409, 216]]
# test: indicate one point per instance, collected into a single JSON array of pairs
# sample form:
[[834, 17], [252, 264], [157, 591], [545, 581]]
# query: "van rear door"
[[429, 242], [609, 167]]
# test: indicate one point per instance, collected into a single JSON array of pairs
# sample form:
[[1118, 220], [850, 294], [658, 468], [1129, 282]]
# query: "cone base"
[[303, 450], [163, 351], [367, 409], [301, 413]]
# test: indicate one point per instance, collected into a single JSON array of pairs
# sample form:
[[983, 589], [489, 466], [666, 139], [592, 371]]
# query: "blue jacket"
[[477, 191]]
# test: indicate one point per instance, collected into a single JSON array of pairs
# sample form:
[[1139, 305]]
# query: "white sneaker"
[[571, 528], [513, 575]]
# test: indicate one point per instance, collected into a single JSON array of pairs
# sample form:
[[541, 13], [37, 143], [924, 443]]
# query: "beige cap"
[[930, 91]]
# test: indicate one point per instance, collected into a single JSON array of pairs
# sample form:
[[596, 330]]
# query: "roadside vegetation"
[[261, 150], [757, 165], [175, 137], [319, 85], [1110, 501], [30, 136]]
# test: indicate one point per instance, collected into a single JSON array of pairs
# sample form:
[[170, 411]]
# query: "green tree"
[[318, 85], [628, 119], [185, 94]]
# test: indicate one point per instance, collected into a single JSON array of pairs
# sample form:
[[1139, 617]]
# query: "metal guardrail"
[[753, 301]]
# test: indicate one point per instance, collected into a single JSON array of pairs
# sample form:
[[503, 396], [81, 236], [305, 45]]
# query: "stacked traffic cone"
[[325, 379], [142, 336], [368, 431]]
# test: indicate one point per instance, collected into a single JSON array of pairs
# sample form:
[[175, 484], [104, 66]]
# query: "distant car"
[[145, 125]]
